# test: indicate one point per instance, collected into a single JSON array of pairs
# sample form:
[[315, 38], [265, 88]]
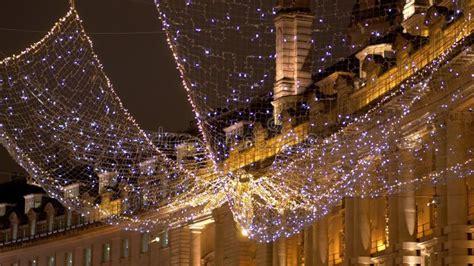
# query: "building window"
[[29, 202], [88, 257], [68, 218], [125, 248], [33, 227], [51, 261], [82, 219], [69, 259], [50, 223], [164, 239], [71, 191], [106, 252], [145, 242], [15, 231]]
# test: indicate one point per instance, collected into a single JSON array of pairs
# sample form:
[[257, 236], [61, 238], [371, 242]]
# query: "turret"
[[293, 25]]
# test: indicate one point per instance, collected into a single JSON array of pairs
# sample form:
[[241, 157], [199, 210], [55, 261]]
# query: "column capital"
[[406, 147], [197, 227], [412, 137]]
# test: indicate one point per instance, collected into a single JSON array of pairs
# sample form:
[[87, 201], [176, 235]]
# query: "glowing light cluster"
[[310, 172], [63, 122], [85, 149]]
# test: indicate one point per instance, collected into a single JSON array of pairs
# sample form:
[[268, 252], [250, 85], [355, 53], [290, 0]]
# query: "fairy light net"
[[260, 77], [279, 162], [64, 124]]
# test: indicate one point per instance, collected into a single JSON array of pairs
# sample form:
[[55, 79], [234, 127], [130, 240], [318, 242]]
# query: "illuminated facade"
[[423, 225]]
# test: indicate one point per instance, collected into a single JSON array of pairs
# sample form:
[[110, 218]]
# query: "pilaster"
[[459, 132], [320, 242], [279, 252], [232, 248], [195, 246], [180, 246], [361, 232], [308, 246]]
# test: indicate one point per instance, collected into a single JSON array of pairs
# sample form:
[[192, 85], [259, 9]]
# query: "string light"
[[86, 150]]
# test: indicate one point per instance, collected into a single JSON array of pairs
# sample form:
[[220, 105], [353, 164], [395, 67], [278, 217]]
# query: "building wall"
[[429, 224], [94, 238]]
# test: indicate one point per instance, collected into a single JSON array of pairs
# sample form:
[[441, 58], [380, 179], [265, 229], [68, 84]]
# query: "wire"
[[94, 33]]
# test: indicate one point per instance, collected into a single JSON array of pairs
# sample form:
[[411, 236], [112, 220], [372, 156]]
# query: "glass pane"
[[106, 252], [88, 257], [125, 248], [69, 259]]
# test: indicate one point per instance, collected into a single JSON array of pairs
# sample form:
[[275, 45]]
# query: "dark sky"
[[139, 65]]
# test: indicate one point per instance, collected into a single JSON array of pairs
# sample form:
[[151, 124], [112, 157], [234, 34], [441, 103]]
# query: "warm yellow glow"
[[380, 245]]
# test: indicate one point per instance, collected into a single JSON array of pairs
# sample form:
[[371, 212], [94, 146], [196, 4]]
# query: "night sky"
[[127, 38]]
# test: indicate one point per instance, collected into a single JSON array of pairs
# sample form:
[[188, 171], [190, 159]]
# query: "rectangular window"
[[68, 218], [69, 259], [50, 223], [51, 261], [164, 239], [145, 242], [29, 202], [106, 252], [33, 227], [88, 257], [15, 231], [125, 248]]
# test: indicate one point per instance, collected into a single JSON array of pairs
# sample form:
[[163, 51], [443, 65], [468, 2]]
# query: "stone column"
[[96, 253], [407, 205], [195, 245], [438, 146], [78, 255], [59, 258], [292, 251], [279, 252], [116, 250], [320, 241], [219, 216], [180, 246], [392, 199], [264, 254], [406, 197], [349, 231], [308, 246], [456, 153], [232, 248], [440, 154], [361, 230], [458, 142]]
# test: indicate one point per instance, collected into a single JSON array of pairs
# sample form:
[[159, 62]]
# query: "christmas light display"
[[310, 170], [64, 124], [62, 121]]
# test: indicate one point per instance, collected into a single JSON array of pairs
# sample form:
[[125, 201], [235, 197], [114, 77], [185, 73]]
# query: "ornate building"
[[419, 225]]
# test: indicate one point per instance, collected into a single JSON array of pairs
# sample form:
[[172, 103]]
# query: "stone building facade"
[[421, 225]]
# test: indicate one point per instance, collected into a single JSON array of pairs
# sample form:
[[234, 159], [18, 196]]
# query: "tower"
[[293, 25]]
